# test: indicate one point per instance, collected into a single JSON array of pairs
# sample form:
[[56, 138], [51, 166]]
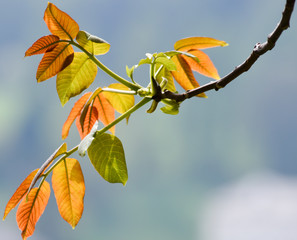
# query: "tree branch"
[[259, 49]]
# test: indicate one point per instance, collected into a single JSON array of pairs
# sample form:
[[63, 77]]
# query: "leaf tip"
[[224, 44], [202, 95]]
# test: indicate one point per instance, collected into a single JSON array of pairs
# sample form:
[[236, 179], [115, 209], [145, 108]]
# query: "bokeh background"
[[224, 168]]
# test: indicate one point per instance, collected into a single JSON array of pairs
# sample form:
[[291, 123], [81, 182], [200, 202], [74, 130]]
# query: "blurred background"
[[224, 168]]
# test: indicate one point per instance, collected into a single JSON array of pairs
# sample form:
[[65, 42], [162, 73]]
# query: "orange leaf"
[[31, 209], [86, 107], [89, 121], [19, 193], [105, 110], [60, 23], [184, 75], [198, 43], [75, 111], [54, 61], [42, 45], [204, 66], [69, 188]]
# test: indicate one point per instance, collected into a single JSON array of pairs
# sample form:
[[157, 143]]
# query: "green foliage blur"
[[174, 162]]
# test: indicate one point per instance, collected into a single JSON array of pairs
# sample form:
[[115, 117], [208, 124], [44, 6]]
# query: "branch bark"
[[259, 49]]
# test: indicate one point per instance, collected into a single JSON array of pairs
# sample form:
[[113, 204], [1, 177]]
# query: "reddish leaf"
[[60, 23], [105, 110], [69, 188], [31, 208], [184, 75], [204, 66], [86, 107], [19, 193], [198, 43], [42, 45], [89, 121], [75, 111], [54, 61]]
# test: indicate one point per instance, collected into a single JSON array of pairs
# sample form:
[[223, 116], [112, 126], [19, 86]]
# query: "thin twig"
[[259, 49]]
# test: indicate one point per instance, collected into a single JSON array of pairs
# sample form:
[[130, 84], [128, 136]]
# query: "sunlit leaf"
[[60, 23], [90, 119], [130, 71], [59, 151], [166, 62], [54, 61], [204, 66], [19, 193], [75, 111], [172, 108], [75, 78], [120, 102], [31, 208], [105, 111], [144, 61], [107, 155], [69, 189], [92, 44], [43, 44], [162, 73], [198, 43], [86, 107], [184, 75]]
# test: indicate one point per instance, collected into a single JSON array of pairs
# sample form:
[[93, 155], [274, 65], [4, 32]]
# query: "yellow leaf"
[[75, 78], [19, 193], [92, 44], [69, 189], [75, 111], [31, 209], [42, 45], [120, 102], [54, 61], [60, 23], [198, 43], [184, 75], [204, 66]]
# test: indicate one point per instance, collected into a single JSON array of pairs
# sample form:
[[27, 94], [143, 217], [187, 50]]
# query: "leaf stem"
[[120, 79], [119, 91], [144, 101], [68, 153]]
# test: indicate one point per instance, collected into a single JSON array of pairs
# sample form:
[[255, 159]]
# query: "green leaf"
[[144, 61], [93, 44], [77, 77], [161, 73], [130, 72], [172, 108], [167, 62], [107, 155]]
